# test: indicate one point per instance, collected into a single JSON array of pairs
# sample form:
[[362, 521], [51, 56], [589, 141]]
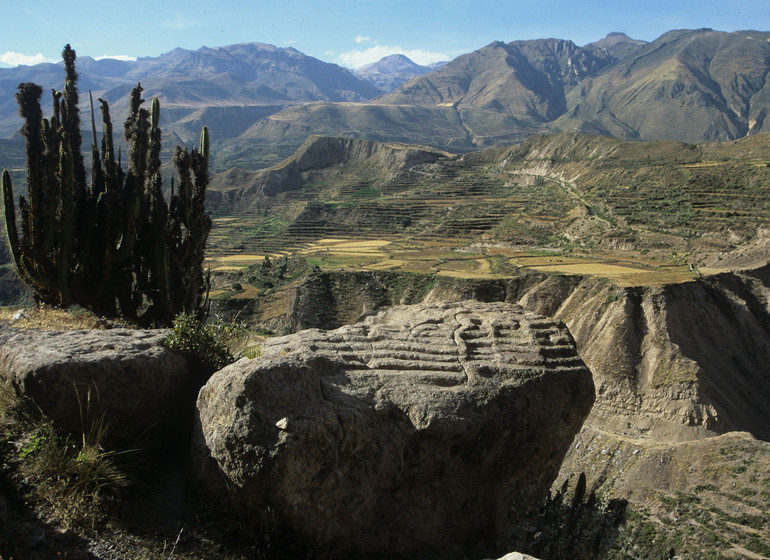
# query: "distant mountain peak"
[[615, 38], [618, 35], [391, 64], [392, 71], [617, 44], [399, 57]]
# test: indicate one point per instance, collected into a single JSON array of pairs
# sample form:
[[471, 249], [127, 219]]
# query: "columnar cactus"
[[113, 245]]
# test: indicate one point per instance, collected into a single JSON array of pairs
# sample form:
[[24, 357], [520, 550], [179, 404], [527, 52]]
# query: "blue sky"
[[350, 33]]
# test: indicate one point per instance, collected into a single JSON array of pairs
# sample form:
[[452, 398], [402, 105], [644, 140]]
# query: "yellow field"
[[347, 244], [623, 275], [227, 263], [697, 165], [538, 261], [241, 259], [466, 268], [591, 269], [423, 267], [348, 247], [433, 257], [228, 268], [249, 292]]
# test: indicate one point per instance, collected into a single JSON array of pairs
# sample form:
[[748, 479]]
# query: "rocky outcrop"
[[124, 374], [421, 430], [672, 362]]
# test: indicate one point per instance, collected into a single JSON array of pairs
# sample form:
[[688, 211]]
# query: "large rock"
[[132, 380], [421, 430]]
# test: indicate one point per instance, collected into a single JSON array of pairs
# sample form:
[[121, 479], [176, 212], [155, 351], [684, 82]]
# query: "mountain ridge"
[[504, 92], [261, 102], [238, 75]]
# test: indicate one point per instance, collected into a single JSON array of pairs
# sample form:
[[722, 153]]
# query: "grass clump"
[[75, 480], [78, 481]]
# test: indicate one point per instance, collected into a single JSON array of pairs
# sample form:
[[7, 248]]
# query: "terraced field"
[[392, 254], [637, 213]]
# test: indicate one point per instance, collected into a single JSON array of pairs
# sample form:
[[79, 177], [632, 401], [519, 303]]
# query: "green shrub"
[[252, 351], [203, 342]]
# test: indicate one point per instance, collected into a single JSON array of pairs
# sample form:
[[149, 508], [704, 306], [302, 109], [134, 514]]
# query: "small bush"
[[206, 343]]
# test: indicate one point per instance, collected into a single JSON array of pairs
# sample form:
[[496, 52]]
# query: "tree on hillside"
[[112, 244]]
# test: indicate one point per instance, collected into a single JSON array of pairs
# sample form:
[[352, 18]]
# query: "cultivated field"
[[479, 262], [638, 213]]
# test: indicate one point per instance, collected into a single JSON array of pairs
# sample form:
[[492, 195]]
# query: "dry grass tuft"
[[75, 482], [47, 318]]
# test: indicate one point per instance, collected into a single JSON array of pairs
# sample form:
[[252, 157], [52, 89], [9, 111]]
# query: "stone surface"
[[421, 430], [517, 556], [131, 378]]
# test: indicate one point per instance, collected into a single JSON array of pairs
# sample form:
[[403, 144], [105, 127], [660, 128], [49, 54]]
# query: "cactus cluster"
[[113, 244]]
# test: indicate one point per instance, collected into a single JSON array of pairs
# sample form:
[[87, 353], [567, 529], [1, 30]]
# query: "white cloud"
[[361, 39], [359, 57], [123, 57], [11, 58]]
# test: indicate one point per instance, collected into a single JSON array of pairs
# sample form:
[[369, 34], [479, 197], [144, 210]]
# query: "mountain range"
[[261, 102], [223, 87]]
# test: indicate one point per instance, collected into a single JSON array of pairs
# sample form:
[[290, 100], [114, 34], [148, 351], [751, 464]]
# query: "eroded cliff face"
[[671, 363]]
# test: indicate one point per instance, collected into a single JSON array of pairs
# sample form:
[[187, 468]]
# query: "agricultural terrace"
[[476, 262]]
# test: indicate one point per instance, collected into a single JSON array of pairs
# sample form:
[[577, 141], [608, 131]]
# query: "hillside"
[[695, 86], [526, 79], [276, 137], [686, 85], [692, 85], [697, 204]]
